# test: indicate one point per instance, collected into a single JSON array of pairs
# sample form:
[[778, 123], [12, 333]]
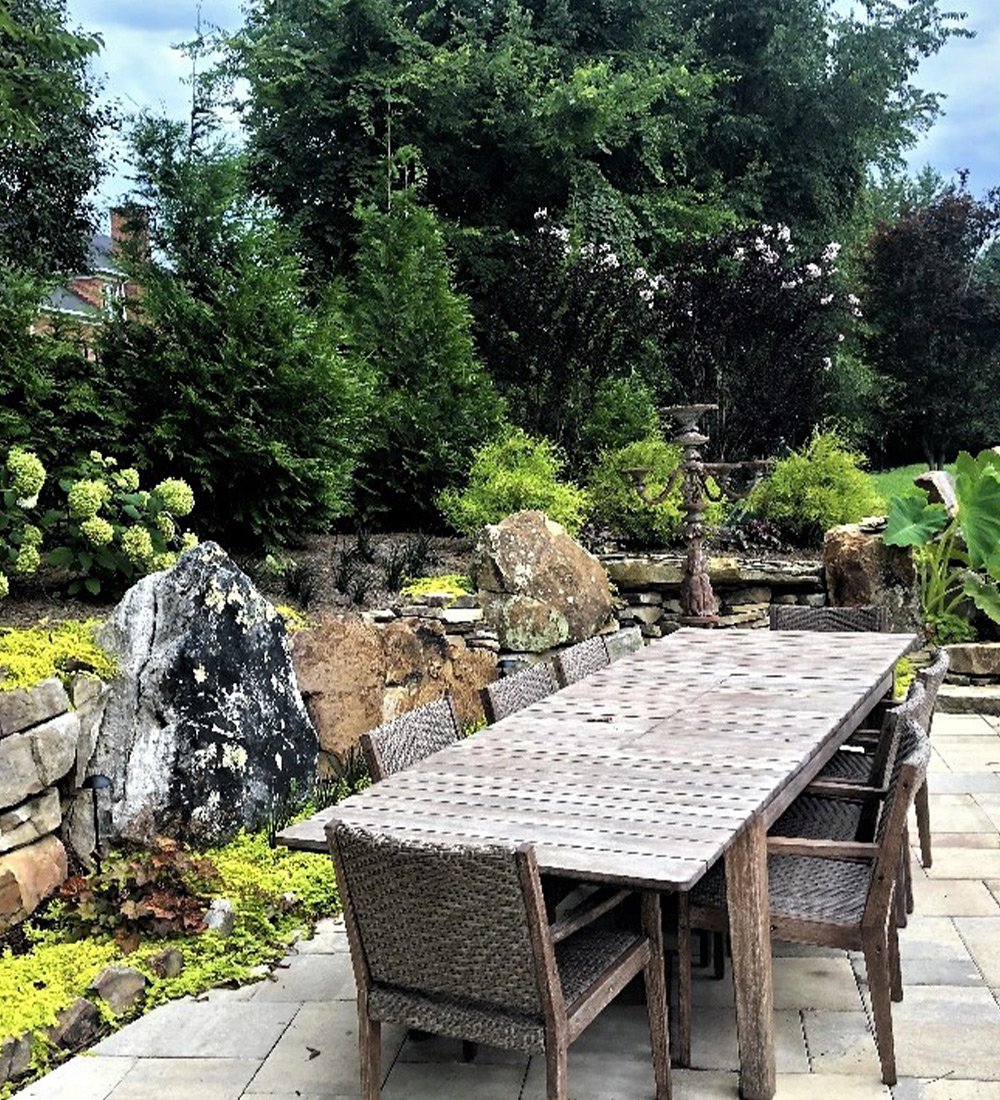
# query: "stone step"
[[953, 699]]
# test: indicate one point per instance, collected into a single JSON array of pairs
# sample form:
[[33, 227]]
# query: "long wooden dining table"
[[649, 771]]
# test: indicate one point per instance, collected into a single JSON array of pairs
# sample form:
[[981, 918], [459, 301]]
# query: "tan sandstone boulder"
[[861, 570], [355, 675], [539, 588], [28, 876]]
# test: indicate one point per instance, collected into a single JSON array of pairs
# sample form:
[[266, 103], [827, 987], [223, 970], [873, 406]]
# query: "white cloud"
[[140, 67]]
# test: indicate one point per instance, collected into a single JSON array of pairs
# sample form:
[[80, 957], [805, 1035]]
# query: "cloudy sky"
[[143, 71]]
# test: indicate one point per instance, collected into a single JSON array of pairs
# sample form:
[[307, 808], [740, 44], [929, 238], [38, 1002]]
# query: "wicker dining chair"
[[855, 767], [868, 761], [454, 940], [581, 660], [511, 693], [622, 642], [933, 677], [828, 893], [829, 619], [402, 742]]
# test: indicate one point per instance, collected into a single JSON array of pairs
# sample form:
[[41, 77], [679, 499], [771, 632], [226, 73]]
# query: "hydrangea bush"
[[110, 531], [21, 481]]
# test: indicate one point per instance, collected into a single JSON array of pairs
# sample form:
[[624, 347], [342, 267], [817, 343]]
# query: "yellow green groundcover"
[[277, 895]]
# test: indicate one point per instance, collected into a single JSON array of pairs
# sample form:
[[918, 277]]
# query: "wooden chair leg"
[[704, 949], [719, 955], [902, 888], [922, 803], [556, 1071], [654, 977], [895, 971], [880, 986], [370, 1052], [683, 981]]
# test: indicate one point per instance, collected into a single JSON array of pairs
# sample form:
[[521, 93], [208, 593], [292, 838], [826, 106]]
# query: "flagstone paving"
[[293, 1037]]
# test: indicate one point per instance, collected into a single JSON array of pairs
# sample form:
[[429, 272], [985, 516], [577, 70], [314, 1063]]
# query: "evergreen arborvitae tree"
[[433, 404], [231, 377]]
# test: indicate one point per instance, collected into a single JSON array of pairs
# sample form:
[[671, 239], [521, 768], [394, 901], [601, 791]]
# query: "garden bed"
[[145, 913]]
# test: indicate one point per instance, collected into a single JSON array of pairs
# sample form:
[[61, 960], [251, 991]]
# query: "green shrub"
[[21, 480], [815, 488], [510, 474], [616, 503], [110, 532], [623, 412]]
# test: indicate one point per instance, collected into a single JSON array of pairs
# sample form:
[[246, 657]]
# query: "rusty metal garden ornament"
[[701, 482]]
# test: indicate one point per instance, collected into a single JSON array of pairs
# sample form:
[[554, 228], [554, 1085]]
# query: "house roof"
[[64, 300], [100, 255]]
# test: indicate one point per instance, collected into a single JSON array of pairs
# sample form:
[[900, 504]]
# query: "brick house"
[[88, 299]]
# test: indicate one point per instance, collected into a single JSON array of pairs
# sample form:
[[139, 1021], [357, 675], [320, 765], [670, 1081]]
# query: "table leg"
[[750, 932]]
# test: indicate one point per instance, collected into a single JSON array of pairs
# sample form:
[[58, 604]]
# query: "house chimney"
[[130, 232]]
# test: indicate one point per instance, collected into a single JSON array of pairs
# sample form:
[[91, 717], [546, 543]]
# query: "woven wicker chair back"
[[623, 642], [889, 752], [511, 693], [829, 619], [411, 737], [580, 660], [932, 677], [914, 746], [440, 920]]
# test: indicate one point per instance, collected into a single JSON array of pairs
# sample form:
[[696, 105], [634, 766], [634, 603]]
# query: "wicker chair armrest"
[[824, 849], [854, 792], [587, 912]]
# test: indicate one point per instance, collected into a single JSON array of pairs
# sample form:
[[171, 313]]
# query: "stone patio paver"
[[84, 1078], [202, 1029], [205, 1078], [294, 1037]]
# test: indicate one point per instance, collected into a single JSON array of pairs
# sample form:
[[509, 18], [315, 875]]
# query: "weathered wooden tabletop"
[[645, 772]]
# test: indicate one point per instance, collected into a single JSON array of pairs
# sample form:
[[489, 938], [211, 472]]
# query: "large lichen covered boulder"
[[205, 727], [539, 588]]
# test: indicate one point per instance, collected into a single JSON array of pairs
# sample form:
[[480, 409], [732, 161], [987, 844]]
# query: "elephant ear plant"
[[957, 556]]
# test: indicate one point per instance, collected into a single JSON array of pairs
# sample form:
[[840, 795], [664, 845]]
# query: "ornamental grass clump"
[[110, 531]]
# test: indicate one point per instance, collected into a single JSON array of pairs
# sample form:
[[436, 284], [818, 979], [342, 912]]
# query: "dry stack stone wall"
[[46, 738], [649, 588]]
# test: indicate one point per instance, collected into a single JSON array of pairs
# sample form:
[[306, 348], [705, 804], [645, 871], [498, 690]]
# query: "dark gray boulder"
[[205, 725]]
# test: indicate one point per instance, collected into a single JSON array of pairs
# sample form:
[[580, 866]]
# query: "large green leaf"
[[977, 485], [914, 522], [985, 595]]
